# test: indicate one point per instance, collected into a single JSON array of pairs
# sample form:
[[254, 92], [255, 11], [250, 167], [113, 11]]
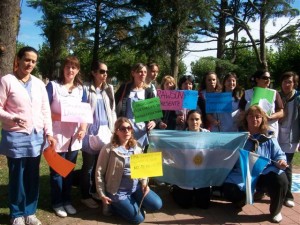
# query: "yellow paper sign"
[[146, 165]]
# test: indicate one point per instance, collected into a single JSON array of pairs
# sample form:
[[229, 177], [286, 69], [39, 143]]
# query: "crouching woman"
[[113, 177]]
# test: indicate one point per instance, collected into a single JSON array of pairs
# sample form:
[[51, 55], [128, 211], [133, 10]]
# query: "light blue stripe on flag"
[[252, 165], [196, 159]]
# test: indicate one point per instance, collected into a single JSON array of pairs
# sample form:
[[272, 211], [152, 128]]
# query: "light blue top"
[[269, 148], [127, 185]]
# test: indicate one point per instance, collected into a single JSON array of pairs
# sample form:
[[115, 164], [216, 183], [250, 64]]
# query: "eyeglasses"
[[125, 129], [103, 71], [265, 78]]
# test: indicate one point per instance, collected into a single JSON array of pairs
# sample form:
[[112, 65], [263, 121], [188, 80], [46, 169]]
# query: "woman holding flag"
[[127, 197], [272, 177]]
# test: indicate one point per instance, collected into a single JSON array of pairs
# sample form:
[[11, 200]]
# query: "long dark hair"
[[218, 87]]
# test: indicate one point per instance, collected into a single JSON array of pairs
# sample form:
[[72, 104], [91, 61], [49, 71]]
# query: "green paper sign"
[[146, 110], [264, 97]]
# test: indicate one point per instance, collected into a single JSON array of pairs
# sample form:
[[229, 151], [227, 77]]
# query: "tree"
[[9, 27]]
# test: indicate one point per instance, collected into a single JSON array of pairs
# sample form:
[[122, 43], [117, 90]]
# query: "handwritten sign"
[[146, 165], [170, 99], [77, 112], [220, 102], [190, 99], [146, 110], [264, 97], [62, 166]]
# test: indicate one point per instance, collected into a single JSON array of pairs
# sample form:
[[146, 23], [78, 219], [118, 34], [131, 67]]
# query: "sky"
[[30, 33]]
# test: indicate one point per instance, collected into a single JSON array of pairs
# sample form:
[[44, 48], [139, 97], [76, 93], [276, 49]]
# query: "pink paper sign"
[[78, 112], [170, 99]]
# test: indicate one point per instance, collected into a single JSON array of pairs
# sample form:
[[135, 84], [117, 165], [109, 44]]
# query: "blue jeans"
[[23, 185], [60, 186], [87, 174], [128, 208]]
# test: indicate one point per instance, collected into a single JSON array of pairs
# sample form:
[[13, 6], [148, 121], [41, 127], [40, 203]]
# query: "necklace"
[[23, 80]]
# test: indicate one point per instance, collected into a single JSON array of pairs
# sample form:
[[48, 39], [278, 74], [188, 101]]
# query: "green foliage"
[[202, 66]]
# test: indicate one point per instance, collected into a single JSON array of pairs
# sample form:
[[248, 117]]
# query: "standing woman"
[[210, 83], [100, 95], [113, 177], [227, 122], [289, 130], [132, 91], [186, 82], [26, 125], [68, 87], [262, 79]]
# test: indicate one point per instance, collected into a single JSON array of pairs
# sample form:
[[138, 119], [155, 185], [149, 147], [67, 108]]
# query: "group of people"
[[31, 120]]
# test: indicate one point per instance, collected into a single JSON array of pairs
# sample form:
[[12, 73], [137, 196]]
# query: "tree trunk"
[[262, 36], [175, 56], [9, 27], [97, 32]]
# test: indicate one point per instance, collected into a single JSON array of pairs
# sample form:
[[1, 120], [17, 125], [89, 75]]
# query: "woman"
[[26, 124], [210, 83], [169, 116], [289, 130], [273, 178], [101, 98], [186, 82], [67, 88], [130, 92], [262, 79], [184, 196], [227, 122], [113, 182]]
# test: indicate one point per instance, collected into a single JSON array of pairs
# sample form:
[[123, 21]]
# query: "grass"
[[45, 212]]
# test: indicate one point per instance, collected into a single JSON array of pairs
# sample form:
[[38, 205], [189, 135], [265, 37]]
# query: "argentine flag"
[[196, 159], [252, 165]]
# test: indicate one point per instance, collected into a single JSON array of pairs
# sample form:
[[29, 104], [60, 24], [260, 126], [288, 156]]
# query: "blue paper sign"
[[220, 102], [190, 99]]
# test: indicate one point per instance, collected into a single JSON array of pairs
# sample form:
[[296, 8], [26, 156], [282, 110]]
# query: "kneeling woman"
[[273, 179], [184, 196], [113, 181]]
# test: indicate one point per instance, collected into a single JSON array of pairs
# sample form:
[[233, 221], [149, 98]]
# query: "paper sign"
[[146, 110], [220, 102], [146, 165], [170, 99], [78, 112], [62, 166], [190, 99], [264, 97]]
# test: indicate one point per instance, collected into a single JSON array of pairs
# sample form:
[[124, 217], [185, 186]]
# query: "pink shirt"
[[15, 101]]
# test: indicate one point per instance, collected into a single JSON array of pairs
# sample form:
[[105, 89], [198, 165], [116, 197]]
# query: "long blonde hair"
[[115, 139]]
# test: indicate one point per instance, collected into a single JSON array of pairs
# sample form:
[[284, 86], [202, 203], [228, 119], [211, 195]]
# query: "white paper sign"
[[78, 112]]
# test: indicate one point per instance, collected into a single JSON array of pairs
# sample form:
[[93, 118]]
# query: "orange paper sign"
[[62, 166]]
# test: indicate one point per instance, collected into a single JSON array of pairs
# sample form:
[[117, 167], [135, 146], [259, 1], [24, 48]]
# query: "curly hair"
[[251, 111], [115, 139]]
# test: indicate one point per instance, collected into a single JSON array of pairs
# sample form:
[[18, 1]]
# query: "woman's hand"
[[180, 120], [106, 200], [151, 125], [19, 121], [282, 164], [51, 140], [145, 189], [162, 125], [80, 134]]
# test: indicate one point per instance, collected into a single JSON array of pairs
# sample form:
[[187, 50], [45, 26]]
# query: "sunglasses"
[[265, 78], [125, 129], [103, 71]]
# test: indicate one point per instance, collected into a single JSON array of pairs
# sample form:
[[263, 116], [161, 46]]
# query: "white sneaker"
[[289, 203], [90, 203], [60, 211], [32, 220], [70, 209], [18, 221], [277, 218]]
